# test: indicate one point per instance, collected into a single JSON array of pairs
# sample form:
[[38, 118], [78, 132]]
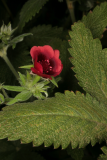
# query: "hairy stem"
[[4, 92], [71, 10], [10, 66]]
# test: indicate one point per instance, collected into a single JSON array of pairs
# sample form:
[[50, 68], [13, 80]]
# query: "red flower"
[[46, 61]]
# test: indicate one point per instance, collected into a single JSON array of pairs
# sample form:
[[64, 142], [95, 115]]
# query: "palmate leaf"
[[58, 120], [90, 62], [30, 8], [96, 20]]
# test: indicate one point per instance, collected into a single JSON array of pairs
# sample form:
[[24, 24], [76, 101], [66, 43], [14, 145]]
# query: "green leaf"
[[96, 20], [90, 62], [103, 157], [23, 96], [1, 98], [27, 66], [18, 39], [64, 56], [13, 88], [53, 81], [30, 9], [61, 120], [16, 151], [44, 35], [76, 154]]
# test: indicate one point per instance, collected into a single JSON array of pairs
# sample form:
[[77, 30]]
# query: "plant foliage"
[[96, 20], [43, 35], [30, 9], [16, 151], [103, 157], [76, 154], [71, 120], [18, 57], [60, 120], [90, 62]]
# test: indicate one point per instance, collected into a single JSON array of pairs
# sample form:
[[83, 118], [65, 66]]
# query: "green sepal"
[[13, 88], [28, 75], [23, 96], [57, 79], [46, 82], [42, 91], [18, 39], [36, 79], [39, 85], [27, 66], [38, 95], [22, 79], [1, 98], [45, 87], [53, 81]]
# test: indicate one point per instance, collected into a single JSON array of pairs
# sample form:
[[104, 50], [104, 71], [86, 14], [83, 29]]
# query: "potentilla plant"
[[46, 65], [70, 120]]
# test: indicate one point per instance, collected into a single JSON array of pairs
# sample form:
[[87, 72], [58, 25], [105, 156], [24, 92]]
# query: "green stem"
[[71, 10], [4, 92], [10, 66]]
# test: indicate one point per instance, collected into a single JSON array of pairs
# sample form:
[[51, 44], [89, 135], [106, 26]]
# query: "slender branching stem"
[[70, 6], [10, 66]]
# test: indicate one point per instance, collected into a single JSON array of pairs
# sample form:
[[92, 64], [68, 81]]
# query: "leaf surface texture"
[[30, 9], [96, 20], [59, 121], [90, 62]]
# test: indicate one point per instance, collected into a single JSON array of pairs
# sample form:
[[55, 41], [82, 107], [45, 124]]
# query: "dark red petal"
[[54, 74], [57, 73], [47, 51], [34, 52], [56, 53], [56, 64], [38, 66], [40, 74]]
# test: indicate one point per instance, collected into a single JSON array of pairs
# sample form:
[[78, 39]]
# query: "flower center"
[[46, 66]]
